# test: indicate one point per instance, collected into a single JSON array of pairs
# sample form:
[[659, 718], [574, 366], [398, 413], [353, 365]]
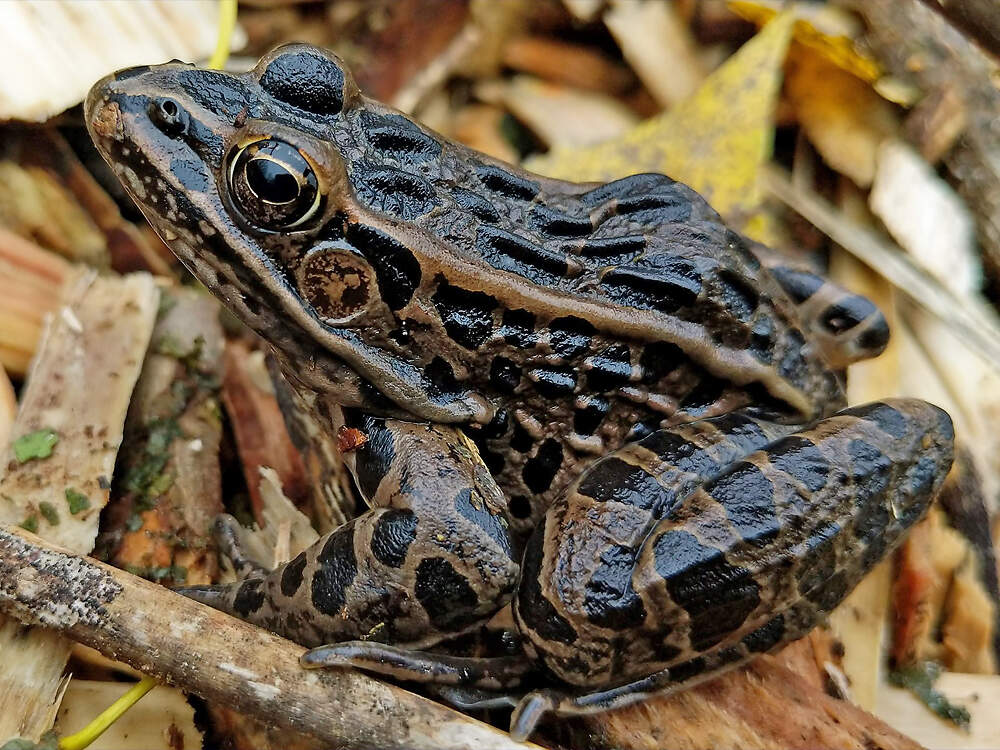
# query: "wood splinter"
[[217, 657]]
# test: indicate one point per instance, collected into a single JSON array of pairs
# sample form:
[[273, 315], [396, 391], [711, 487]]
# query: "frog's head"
[[244, 177]]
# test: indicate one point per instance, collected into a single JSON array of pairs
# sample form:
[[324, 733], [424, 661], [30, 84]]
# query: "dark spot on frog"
[[249, 598], [610, 600], [374, 458], [717, 595], [445, 594], [610, 370], [767, 636], [541, 469], [396, 268], [762, 340], [801, 459], [440, 378], [336, 569], [885, 417], [518, 328], [554, 382], [658, 359], [398, 138], [392, 536], [556, 223], [505, 375], [706, 392], [191, 174], [667, 288], [870, 470], [506, 183], [799, 285], [820, 559], [533, 608], [475, 204], [737, 294], [747, 495], [570, 336], [291, 576], [393, 191], [614, 480], [467, 316], [511, 252], [520, 440], [611, 247], [306, 81], [587, 418]]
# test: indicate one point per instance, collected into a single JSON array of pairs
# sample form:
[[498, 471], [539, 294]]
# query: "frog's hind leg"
[[847, 326], [433, 559], [737, 565]]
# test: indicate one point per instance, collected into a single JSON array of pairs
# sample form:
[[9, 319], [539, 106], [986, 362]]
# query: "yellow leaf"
[[826, 29], [715, 140]]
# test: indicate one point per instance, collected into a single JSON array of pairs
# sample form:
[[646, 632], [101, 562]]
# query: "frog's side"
[[422, 292]]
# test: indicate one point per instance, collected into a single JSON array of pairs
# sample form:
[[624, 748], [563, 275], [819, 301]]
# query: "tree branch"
[[222, 659]]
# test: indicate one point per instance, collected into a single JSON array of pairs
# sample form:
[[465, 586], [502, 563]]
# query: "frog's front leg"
[[741, 565], [431, 559]]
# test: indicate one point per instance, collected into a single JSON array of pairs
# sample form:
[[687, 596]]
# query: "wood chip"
[[980, 694], [80, 389], [560, 116], [926, 217], [259, 427], [659, 47], [53, 52]]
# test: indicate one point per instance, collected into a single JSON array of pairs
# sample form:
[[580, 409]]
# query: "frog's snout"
[[103, 113]]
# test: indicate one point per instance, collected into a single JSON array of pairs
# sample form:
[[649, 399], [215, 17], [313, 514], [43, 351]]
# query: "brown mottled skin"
[[593, 401]]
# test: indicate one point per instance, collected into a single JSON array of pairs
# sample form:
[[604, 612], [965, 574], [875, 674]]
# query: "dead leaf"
[[823, 28], [844, 118], [715, 141]]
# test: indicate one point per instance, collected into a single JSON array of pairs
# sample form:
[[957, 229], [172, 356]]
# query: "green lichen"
[[76, 501], [49, 512], [919, 679], [30, 523], [35, 445]]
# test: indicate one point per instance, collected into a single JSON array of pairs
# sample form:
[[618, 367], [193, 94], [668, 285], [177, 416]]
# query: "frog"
[[593, 403]]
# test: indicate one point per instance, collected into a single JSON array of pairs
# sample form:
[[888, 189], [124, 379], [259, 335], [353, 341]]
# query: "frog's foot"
[[474, 699], [226, 531], [487, 673], [538, 703], [847, 326]]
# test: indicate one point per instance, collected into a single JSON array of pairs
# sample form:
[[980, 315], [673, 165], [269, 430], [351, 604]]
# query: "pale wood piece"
[[80, 386], [220, 658]]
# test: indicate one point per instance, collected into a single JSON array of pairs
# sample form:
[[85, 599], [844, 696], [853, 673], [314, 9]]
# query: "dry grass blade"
[[185, 643], [972, 322]]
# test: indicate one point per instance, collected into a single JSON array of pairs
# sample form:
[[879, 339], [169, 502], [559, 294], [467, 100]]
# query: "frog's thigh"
[[751, 559], [432, 559]]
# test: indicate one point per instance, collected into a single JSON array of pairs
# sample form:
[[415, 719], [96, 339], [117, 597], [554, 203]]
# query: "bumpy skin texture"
[[426, 295]]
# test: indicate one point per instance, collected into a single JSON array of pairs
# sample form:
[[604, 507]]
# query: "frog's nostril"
[[168, 116]]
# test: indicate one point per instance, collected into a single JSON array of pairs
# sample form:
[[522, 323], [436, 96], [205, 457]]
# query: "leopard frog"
[[594, 402]]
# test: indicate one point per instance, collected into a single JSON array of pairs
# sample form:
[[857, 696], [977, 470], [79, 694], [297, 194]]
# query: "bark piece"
[[259, 427], [762, 707], [222, 659]]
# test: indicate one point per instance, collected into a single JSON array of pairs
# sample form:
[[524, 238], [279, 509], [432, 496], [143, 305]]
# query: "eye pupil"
[[271, 181]]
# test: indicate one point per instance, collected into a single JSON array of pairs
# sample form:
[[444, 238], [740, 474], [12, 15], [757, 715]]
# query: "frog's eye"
[[273, 185]]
